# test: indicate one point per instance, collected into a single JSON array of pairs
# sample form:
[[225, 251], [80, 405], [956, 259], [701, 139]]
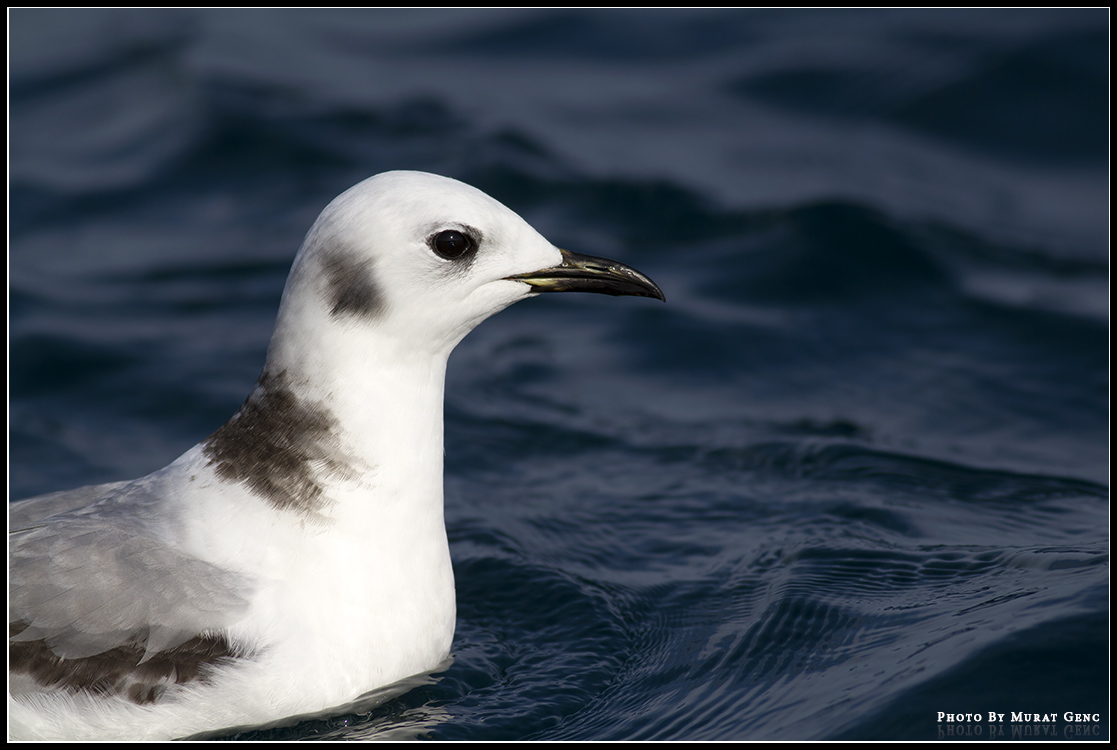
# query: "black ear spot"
[[350, 286], [452, 244]]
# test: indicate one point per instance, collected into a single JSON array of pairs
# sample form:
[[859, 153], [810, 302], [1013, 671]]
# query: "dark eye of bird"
[[451, 244]]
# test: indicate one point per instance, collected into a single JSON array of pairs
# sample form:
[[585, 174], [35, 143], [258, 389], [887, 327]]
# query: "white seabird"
[[297, 557]]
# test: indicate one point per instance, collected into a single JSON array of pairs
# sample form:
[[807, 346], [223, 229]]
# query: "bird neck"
[[348, 434]]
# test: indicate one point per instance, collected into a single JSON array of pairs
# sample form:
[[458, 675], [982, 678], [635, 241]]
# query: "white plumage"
[[296, 558]]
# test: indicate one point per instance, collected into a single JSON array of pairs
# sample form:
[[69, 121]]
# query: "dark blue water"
[[853, 474]]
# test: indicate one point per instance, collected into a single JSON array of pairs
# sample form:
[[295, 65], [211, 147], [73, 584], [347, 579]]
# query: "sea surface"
[[853, 474]]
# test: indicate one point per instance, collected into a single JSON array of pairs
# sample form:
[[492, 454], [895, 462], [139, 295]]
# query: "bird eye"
[[451, 244]]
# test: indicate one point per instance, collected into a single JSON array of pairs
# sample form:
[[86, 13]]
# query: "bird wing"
[[99, 601]]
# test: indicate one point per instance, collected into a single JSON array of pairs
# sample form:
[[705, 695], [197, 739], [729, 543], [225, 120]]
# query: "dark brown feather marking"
[[350, 286], [280, 447], [118, 671]]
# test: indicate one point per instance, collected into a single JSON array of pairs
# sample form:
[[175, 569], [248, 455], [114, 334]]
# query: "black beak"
[[585, 273]]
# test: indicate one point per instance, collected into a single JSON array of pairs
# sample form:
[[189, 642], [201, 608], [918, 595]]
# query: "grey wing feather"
[[85, 582], [26, 512]]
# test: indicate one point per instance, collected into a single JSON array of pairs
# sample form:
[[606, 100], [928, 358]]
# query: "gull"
[[297, 558]]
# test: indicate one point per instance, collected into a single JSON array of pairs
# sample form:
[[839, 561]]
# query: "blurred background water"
[[853, 474]]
